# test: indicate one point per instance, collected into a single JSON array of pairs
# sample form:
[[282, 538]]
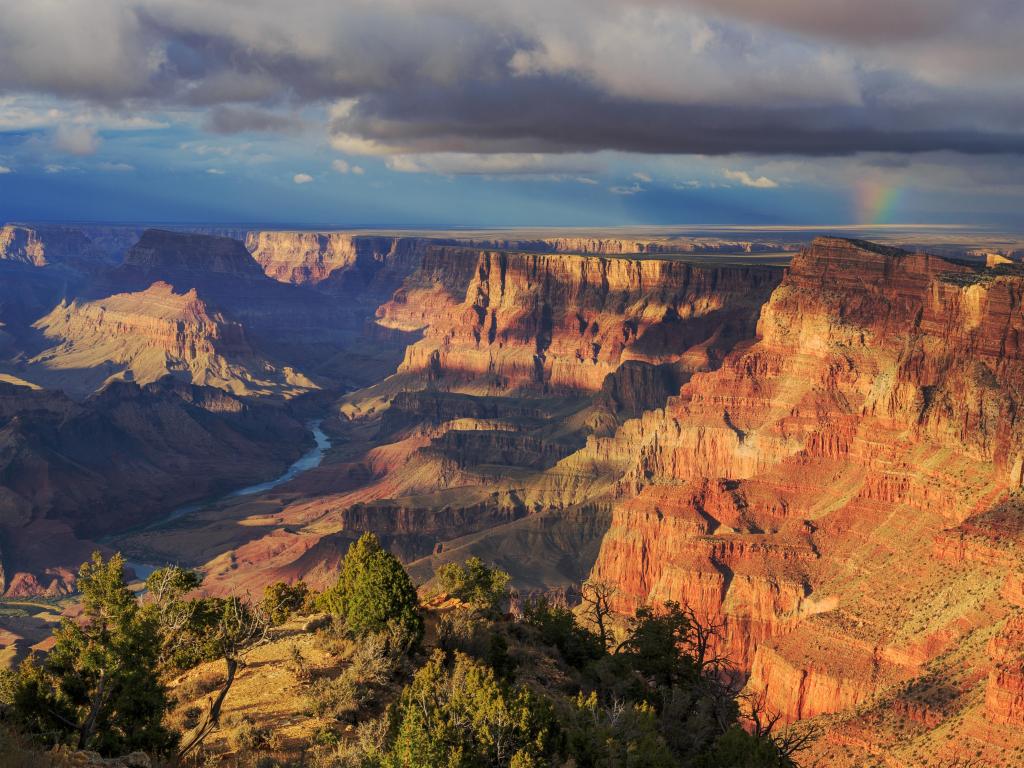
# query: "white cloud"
[[630, 190], [586, 180], [54, 168], [641, 176], [76, 139], [744, 178], [497, 164], [202, 149], [302, 178], [4, 169], [352, 144], [215, 171], [116, 167], [343, 166], [28, 112]]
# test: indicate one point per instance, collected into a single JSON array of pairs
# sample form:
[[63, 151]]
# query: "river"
[[309, 460]]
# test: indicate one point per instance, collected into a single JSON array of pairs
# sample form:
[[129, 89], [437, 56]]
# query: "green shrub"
[[557, 627], [625, 734], [281, 600], [474, 635], [374, 591], [464, 716], [475, 583]]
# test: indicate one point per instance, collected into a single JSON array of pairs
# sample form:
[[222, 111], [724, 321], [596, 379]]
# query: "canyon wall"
[[797, 494], [149, 334], [72, 472], [496, 321]]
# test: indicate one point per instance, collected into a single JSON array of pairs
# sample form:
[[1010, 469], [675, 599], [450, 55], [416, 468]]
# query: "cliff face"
[[23, 245], [146, 335], [464, 438], [299, 329], [798, 495], [313, 257], [497, 321], [161, 251], [42, 246], [70, 473], [618, 246]]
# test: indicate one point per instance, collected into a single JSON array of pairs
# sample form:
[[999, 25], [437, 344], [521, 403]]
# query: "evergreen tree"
[[98, 688], [374, 591], [474, 582], [464, 717]]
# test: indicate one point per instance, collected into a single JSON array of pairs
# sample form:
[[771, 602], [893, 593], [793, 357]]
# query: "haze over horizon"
[[441, 113]]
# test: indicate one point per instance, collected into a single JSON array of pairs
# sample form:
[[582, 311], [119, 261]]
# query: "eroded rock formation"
[[499, 321], [71, 473], [798, 494]]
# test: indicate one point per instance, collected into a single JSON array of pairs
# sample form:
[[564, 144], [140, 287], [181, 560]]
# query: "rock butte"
[[826, 460]]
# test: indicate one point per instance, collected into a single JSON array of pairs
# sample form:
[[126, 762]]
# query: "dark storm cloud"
[[561, 115], [224, 119], [649, 76]]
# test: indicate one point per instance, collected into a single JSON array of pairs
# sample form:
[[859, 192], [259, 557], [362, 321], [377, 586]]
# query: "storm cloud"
[[407, 77]]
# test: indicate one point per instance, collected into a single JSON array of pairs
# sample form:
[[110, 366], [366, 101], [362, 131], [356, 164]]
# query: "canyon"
[[815, 444]]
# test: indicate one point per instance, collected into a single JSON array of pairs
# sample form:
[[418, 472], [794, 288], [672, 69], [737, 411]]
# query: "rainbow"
[[875, 202]]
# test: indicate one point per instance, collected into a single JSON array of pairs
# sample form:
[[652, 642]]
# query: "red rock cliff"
[[797, 492], [500, 321]]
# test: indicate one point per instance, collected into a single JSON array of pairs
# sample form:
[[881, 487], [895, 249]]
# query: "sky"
[[470, 113]]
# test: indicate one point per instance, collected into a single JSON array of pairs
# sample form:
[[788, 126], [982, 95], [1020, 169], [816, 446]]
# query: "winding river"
[[309, 460]]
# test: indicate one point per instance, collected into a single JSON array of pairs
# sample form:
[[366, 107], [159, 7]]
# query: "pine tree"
[[374, 591], [98, 688]]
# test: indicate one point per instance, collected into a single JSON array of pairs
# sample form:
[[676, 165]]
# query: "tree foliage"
[[557, 627], [374, 591], [474, 582], [98, 688], [460, 715], [623, 734], [281, 600]]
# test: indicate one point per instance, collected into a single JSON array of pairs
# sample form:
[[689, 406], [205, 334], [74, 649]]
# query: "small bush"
[[335, 698], [475, 583], [474, 635], [199, 685], [246, 736], [558, 627], [190, 717], [372, 665], [372, 662], [281, 600], [298, 664], [15, 752]]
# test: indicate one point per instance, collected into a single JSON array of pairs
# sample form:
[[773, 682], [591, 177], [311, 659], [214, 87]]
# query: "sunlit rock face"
[[841, 495], [511, 321]]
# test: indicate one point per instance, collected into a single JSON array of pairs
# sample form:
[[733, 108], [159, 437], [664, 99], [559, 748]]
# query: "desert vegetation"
[[375, 678]]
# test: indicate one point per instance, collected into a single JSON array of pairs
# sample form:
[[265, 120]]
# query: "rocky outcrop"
[[53, 245], [506, 322], [146, 335], [70, 473], [293, 326], [23, 245], [313, 257], [162, 251], [1004, 689], [877, 409]]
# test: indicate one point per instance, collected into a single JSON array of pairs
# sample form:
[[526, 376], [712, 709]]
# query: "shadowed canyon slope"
[[824, 459]]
